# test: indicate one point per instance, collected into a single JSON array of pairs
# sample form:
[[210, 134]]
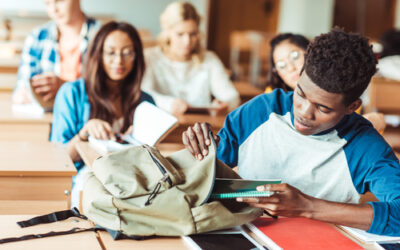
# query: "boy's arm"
[[381, 176], [291, 202]]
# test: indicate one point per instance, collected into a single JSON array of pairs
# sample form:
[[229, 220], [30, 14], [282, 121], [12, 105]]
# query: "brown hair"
[[95, 77], [175, 13]]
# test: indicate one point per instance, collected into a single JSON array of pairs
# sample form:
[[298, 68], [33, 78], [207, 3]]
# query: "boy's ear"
[[353, 106]]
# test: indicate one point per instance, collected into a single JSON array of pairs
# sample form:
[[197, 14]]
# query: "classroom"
[[200, 124]]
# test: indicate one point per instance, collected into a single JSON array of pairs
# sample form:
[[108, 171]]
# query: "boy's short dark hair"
[[341, 62]]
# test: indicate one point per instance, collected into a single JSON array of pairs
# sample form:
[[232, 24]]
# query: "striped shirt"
[[41, 53]]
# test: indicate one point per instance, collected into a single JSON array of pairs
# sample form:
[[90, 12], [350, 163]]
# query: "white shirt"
[[389, 67], [167, 80]]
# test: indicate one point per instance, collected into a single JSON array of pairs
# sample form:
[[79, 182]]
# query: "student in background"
[[389, 64], [312, 139], [285, 73], [102, 103], [179, 72], [286, 63], [53, 52]]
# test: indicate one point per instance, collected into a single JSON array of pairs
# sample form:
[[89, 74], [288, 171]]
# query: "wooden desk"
[[9, 228], [7, 82], [89, 155], [384, 95], [9, 65], [19, 128], [174, 243], [247, 91], [35, 177], [392, 136], [186, 120]]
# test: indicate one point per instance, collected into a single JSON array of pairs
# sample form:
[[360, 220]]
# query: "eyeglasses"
[[125, 55], [293, 57]]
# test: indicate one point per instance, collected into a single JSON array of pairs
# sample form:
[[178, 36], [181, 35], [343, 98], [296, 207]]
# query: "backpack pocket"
[[135, 171]]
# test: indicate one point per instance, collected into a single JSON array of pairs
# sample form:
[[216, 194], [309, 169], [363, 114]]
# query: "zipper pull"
[[156, 189], [164, 178]]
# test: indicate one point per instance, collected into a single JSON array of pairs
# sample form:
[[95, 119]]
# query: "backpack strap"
[[49, 218], [63, 215], [52, 217], [49, 234]]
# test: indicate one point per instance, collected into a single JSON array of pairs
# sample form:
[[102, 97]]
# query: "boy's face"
[[316, 110], [62, 11]]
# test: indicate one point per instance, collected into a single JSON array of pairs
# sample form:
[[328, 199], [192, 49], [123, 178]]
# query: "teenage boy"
[[325, 153], [53, 52]]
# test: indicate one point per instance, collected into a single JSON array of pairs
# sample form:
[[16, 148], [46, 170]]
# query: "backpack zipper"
[[161, 168], [164, 178]]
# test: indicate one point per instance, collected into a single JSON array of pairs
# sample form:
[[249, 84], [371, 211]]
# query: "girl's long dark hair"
[[273, 79], [95, 77]]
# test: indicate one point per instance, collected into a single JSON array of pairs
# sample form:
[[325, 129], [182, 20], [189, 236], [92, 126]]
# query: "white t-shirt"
[[389, 67], [167, 80]]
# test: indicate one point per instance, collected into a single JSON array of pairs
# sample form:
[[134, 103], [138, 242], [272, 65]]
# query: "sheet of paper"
[[32, 110], [367, 237]]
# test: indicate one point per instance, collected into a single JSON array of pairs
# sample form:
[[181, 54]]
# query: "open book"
[[225, 188], [150, 126]]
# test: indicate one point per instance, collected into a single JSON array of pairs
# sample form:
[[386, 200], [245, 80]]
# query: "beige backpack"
[[138, 192]]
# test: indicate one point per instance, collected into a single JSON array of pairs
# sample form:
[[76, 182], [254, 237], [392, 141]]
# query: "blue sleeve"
[[30, 61], [375, 168], [241, 122], [65, 115]]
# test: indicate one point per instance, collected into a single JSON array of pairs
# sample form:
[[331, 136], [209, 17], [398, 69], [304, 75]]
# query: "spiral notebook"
[[233, 188]]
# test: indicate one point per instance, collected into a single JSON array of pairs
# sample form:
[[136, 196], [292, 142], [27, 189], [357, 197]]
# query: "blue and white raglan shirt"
[[40, 53], [336, 165]]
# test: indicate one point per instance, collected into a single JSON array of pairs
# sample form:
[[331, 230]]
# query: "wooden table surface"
[[22, 127], [186, 120], [246, 90], [7, 116], [34, 159], [9, 65], [156, 243], [8, 82], [35, 177]]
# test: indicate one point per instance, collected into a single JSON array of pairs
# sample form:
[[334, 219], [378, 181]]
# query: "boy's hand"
[[286, 201], [46, 85], [197, 140]]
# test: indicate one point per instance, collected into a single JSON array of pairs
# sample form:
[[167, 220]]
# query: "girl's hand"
[[97, 128], [179, 107], [220, 107]]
